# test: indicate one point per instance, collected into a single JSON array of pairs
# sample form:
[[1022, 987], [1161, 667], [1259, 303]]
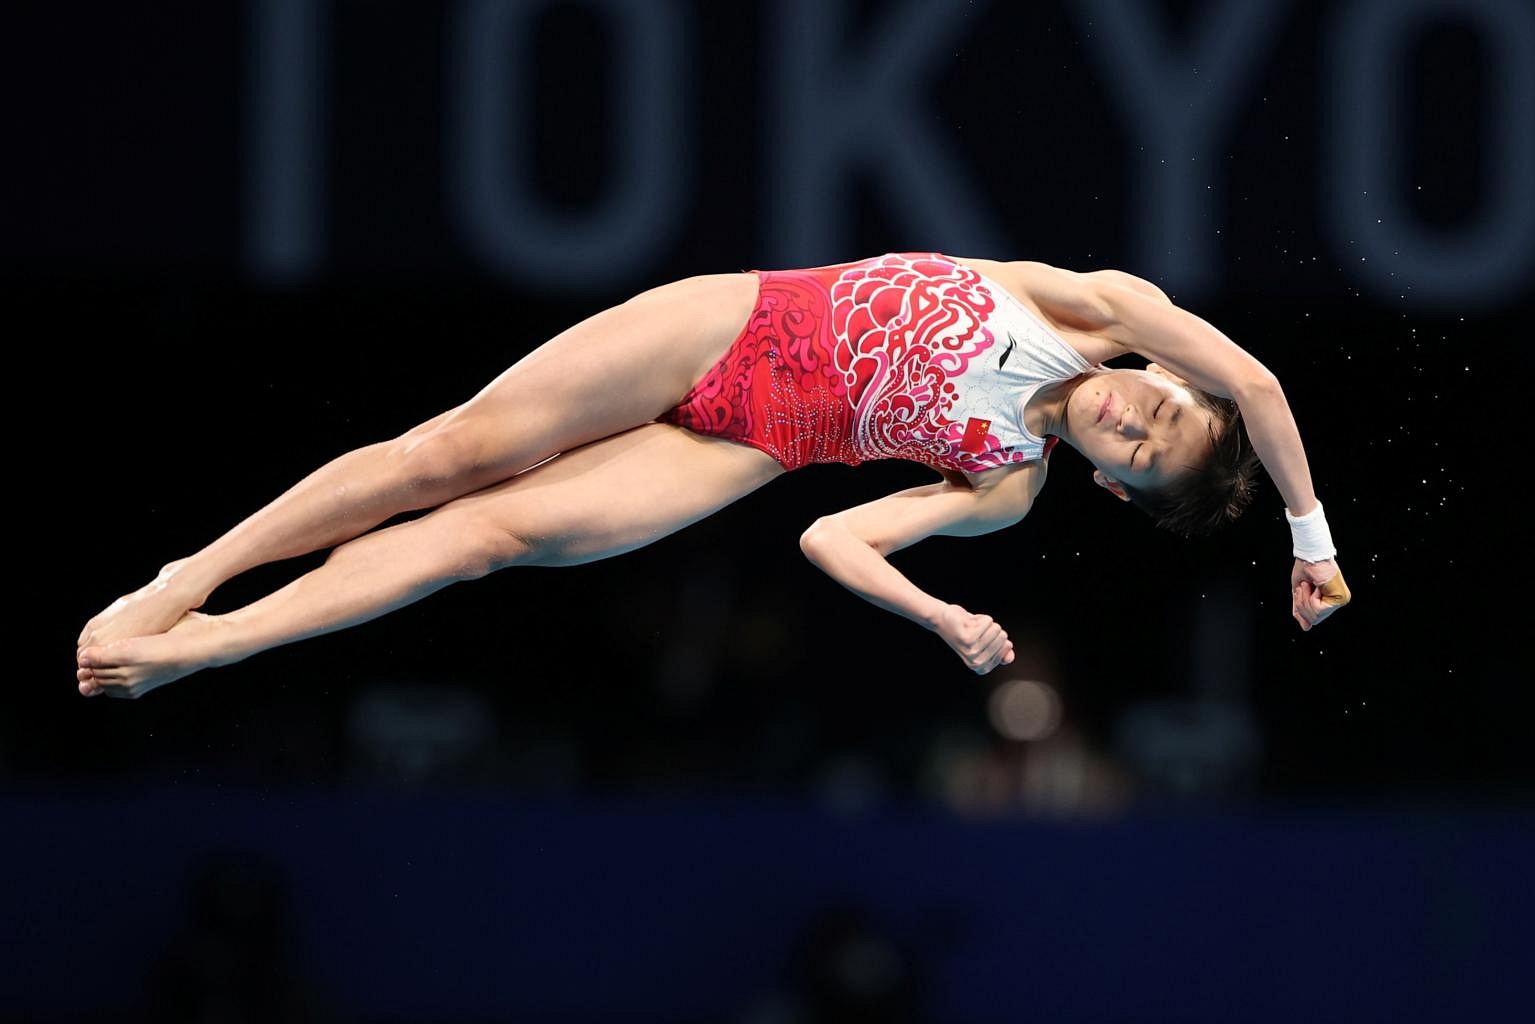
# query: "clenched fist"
[[1316, 591], [975, 638]]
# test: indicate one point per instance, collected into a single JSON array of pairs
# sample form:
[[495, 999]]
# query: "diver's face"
[[1139, 427]]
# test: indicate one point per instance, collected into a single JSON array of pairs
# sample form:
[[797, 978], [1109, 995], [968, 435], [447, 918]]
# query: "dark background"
[[714, 697]]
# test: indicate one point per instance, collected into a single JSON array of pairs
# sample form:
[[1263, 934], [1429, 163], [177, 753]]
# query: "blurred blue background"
[[702, 782]]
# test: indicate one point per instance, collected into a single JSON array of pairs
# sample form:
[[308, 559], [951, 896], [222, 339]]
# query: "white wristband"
[[1313, 540]]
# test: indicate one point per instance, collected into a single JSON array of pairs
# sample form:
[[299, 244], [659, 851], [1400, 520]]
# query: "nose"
[[1130, 423]]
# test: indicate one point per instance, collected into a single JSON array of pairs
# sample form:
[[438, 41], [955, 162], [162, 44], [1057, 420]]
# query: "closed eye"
[[1154, 413]]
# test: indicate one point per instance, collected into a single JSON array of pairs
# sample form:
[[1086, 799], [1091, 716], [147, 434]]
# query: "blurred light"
[[411, 733], [1025, 710]]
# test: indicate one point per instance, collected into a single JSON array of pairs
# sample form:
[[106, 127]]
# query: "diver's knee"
[[442, 454], [502, 545]]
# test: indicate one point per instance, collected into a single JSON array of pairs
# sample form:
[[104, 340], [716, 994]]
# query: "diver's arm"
[[851, 546], [1206, 358], [860, 567], [1275, 437], [1180, 341]]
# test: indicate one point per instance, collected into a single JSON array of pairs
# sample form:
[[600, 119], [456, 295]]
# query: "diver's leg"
[[622, 367], [617, 369], [598, 500], [347, 496]]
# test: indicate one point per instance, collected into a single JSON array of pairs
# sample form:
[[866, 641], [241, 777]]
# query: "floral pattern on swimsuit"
[[853, 362]]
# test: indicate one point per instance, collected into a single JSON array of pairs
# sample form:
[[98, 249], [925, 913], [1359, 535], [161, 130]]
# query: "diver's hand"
[[1316, 591], [977, 639]]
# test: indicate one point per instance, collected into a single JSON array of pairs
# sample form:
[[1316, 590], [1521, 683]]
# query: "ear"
[[1109, 484]]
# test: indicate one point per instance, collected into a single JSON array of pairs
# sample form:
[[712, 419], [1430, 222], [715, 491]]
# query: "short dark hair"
[[1215, 493]]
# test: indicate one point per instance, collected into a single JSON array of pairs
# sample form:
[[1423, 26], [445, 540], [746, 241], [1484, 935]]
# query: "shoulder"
[[1127, 280], [1065, 297], [1090, 282], [1047, 281]]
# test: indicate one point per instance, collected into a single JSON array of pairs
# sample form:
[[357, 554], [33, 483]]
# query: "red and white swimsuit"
[[903, 356]]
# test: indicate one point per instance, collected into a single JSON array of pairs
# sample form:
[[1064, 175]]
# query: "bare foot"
[[133, 666], [153, 608]]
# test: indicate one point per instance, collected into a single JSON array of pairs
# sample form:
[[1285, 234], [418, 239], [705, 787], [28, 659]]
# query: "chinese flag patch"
[[974, 440]]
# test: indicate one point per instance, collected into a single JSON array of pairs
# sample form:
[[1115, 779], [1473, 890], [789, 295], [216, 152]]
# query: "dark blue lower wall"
[[486, 907]]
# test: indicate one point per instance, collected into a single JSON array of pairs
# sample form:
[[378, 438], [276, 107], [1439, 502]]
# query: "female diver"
[[659, 411]]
